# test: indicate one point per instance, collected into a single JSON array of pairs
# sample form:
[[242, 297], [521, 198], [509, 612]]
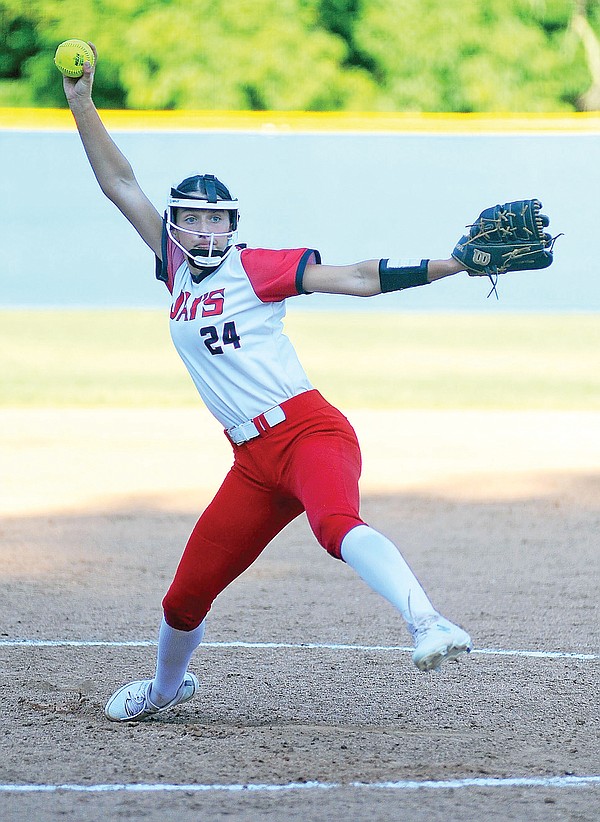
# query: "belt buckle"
[[244, 432], [251, 429]]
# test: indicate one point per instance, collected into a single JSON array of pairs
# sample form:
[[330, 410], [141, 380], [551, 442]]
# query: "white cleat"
[[131, 702], [438, 640]]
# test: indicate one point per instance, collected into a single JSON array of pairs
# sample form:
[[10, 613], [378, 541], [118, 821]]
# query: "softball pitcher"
[[293, 451]]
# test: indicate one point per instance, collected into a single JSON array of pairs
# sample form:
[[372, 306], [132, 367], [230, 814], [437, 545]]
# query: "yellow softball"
[[70, 57]]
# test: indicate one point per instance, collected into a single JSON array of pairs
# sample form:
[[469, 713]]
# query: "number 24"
[[230, 337]]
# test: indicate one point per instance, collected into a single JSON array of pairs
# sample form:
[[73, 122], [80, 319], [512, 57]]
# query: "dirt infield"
[[499, 515]]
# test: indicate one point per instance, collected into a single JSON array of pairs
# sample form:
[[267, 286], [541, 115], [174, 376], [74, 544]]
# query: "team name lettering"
[[211, 303]]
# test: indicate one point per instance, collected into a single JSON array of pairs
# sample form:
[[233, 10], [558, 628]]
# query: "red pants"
[[310, 462]]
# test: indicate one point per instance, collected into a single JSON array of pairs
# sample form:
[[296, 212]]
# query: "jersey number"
[[230, 337]]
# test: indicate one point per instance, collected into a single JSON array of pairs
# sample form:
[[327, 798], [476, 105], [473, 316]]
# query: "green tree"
[[19, 41], [586, 13], [382, 55], [253, 54], [501, 55]]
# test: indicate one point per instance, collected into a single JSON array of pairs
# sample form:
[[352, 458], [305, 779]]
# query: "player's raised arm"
[[112, 169], [370, 277]]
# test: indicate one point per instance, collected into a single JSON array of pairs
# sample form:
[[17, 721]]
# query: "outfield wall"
[[353, 185]]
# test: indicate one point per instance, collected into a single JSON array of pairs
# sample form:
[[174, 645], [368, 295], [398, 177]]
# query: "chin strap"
[[196, 256], [198, 253]]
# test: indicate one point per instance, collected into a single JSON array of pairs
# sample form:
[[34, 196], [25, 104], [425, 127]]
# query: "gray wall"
[[64, 244]]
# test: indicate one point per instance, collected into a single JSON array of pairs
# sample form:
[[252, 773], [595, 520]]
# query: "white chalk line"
[[327, 646], [402, 785]]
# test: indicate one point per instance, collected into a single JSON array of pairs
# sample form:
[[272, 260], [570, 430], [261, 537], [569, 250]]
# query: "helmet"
[[203, 191]]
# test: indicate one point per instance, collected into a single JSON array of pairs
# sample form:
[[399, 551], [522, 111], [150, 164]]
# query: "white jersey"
[[228, 329]]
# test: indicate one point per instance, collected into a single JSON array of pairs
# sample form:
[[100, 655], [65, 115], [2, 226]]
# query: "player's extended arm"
[[112, 169], [370, 277], [509, 237]]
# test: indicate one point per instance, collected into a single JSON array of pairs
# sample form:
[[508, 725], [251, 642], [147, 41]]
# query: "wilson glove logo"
[[481, 257]]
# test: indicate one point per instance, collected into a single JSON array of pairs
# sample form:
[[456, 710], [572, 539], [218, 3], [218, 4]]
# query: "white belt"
[[253, 428]]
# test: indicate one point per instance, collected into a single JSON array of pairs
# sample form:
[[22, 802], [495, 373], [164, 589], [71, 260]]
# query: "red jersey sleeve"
[[277, 274]]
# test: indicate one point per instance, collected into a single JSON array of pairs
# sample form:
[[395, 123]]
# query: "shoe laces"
[[138, 700], [423, 625], [420, 624]]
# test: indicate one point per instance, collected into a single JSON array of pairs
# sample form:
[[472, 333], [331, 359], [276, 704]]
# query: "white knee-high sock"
[[381, 565], [175, 649]]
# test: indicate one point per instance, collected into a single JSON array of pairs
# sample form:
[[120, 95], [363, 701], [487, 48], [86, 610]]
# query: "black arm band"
[[395, 279]]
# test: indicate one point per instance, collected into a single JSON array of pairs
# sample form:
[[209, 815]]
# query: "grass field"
[[114, 358]]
